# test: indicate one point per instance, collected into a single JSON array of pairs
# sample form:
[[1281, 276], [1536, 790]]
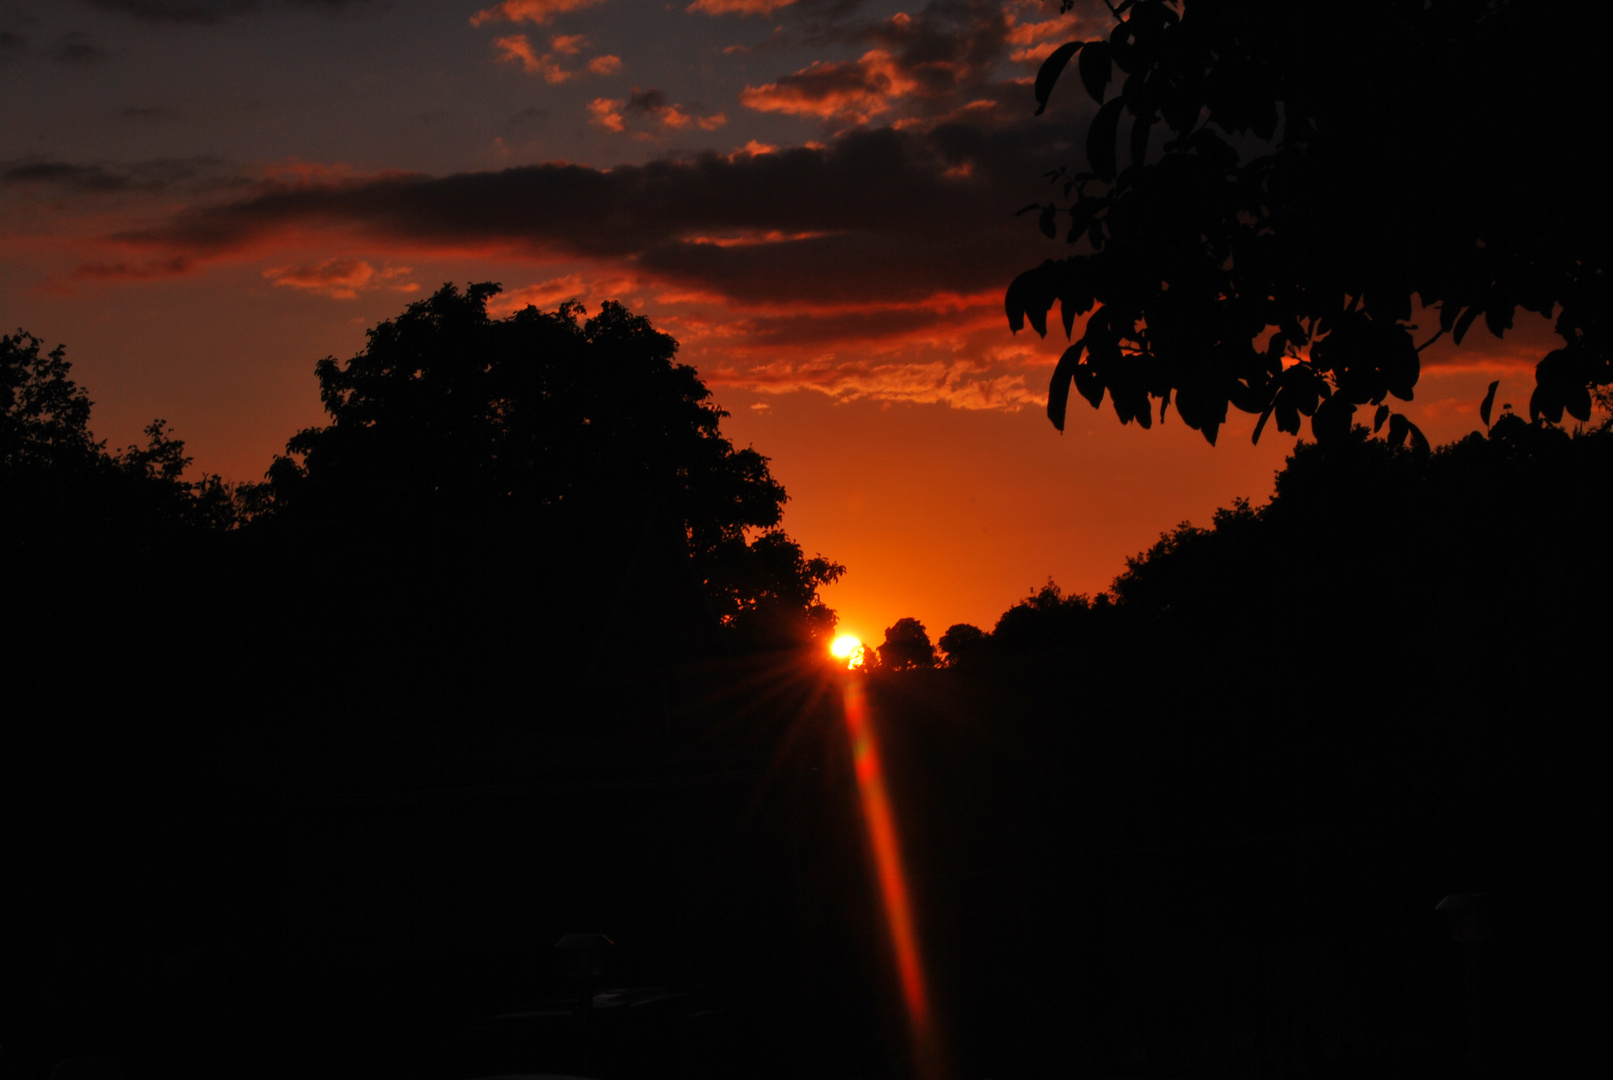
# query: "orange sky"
[[815, 199]]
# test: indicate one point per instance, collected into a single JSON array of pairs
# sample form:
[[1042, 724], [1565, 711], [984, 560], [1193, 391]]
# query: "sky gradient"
[[201, 198]]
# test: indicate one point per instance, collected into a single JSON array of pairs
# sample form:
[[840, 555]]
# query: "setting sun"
[[846, 647]]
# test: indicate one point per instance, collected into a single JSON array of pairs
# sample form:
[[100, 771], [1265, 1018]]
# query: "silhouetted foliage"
[[575, 456], [962, 643], [1409, 535], [272, 802], [1045, 619], [47, 416], [907, 646], [1324, 163], [65, 498]]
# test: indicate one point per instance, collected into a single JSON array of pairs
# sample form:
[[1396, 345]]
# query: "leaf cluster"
[[1320, 166]]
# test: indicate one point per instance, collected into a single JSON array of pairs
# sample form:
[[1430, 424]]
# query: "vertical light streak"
[[881, 828]]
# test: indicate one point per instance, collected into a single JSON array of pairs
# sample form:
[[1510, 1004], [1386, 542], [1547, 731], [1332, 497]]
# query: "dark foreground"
[[273, 817]]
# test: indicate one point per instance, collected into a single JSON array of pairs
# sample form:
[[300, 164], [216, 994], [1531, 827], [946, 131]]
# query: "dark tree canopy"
[[64, 496], [907, 646], [1324, 164], [1044, 618], [578, 447], [962, 643]]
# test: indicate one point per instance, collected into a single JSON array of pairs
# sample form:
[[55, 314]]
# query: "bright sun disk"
[[846, 647]]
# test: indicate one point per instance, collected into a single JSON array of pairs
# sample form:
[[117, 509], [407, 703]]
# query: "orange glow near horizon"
[[846, 647], [881, 826]]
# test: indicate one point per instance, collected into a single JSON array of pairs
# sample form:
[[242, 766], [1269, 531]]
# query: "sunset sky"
[[201, 198]]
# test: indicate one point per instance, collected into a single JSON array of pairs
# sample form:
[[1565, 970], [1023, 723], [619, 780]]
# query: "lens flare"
[[881, 826], [847, 648]]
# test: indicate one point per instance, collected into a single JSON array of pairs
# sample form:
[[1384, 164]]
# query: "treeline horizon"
[[363, 748], [142, 493], [1513, 477]]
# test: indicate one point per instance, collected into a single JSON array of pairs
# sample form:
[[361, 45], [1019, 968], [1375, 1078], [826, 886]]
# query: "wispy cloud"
[[645, 112], [532, 11], [342, 279], [738, 7], [518, 49], [126, 271], [851, 90]]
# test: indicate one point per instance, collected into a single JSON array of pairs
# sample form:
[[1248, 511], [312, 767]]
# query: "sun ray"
[[880, 824]]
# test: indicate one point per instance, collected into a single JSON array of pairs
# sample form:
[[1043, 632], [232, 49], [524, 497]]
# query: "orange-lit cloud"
[[533, 11], [935, 383], [854, 91], [552, 292], [738, 7], [517, 49], [545, 294], [654, 112], [341, 279], [605, 113], [915, 67], [1031, 40]]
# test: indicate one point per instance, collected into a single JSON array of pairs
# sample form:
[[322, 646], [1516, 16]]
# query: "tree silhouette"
[[1045, 619], [65, 497], [907, 646], [963, 643], [553, 448], [1323, 164]]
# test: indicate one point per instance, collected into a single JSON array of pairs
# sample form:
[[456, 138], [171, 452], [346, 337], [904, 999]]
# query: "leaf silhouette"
[[1488, 403], [1578, 403], [1095, 69], [1048, 222], [1466, 321], [1139, 138], [1017, 299], [1260, 425], [1419, 442], [1378, 418], [1050, 71], [1101, 140], [1058, 390]]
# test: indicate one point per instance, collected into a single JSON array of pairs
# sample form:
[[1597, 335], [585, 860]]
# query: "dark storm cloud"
[[209, 11], [57, 174], [528, 122], [649, 101], [78, 48], [884, 215], [177, 175], [116, 271]]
